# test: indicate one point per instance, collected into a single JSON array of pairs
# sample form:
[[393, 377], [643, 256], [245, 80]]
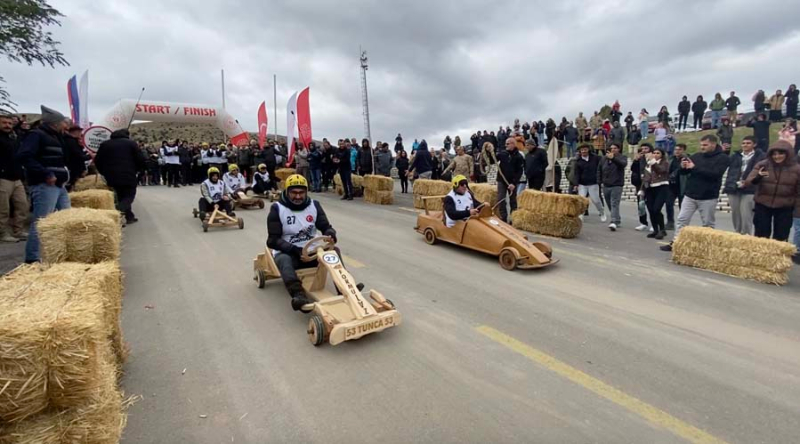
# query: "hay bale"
[[100, 420], [358, 181], [733, 254], [557, 225], [427, 187], [484, 192], [378, 197], [97, 199], [57, 324], [378, 183], [80, 235], [90, 182], [552, 203], [283, 173], [433, 204]]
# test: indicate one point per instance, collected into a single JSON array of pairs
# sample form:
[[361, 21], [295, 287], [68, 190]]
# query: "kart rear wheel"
[[205, 227], [508, 260], [430, 236], [261, 278], [195, 212], [261, 204], [316, 330], [241, 223], [201, 215]]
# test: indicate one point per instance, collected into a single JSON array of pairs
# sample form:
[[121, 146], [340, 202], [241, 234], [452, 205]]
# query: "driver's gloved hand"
[[332, 233], [297, 252]]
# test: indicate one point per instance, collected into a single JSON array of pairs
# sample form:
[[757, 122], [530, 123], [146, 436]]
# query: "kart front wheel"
[[316, 330], [261, 204], [261, 278], [430, 236], [241, 223], [205, 227], [508, 260]]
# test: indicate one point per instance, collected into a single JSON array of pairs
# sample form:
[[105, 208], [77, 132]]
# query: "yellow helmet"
[[233, 167], [261, 166], [212, 170], [296, 180], [204, 144], [458, 179]]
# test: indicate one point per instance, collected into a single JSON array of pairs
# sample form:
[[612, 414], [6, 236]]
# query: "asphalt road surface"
[[614, 344]]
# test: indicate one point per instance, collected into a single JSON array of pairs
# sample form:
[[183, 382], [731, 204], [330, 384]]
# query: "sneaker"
[[612, 226], [581, 217], [652, 230], [652, 234], [666, 247], [344, 198], [603, 218], [661, 234], [670, 226], [21, 236], [641, 227], [131, 221], [300, 302], [9, 239]]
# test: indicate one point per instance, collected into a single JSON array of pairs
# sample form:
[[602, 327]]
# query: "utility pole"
[[275, 103], [364, 95], [223, 88]]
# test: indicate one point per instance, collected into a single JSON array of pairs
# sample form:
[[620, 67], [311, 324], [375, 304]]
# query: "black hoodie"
[[275, 224], [705, 179], [119, 159]]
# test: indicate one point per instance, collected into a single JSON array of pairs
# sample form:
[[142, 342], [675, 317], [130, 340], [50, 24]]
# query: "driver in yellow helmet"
[[215, 192], [460, 203], [262, 182], [292, 222]]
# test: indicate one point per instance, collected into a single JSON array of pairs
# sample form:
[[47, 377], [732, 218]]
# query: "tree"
[[605, 112], [24, 40]]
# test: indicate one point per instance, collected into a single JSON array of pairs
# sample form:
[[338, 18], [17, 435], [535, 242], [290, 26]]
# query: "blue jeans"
[[661, 144], [45, 199], [643, 130], [316, 179], [716, 116], [796, 226], [571, 149]]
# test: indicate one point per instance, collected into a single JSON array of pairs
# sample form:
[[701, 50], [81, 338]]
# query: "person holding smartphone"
[[777, 195]]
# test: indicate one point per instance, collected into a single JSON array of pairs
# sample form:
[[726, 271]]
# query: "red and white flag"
[[262, 124], [304, 117], [291, 120]]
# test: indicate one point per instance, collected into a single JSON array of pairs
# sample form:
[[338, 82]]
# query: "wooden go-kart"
[[247, 202], [272, 195], [217, 218], [336, 318], [488, 234]]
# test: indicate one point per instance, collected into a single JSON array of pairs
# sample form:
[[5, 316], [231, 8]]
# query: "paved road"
[[615, 344]]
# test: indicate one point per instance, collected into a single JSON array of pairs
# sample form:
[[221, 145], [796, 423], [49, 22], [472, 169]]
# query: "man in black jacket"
[[511, 166], [705, 170], [587, 170], [75, 157], [740, 197], [761, 131], [342, 160], [677, 184], [12, 192], [732, 104], [536, 164], [364, 160], [683, 112], [185, 156], [42, 156], [698, 109], [119, 160], [637, 173], [634, 137], [612, 176]]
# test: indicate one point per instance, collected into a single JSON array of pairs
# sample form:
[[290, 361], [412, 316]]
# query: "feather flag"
[[304, 117], [291, 120]]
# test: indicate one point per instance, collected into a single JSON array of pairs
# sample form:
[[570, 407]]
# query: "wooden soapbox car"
[[272, 195], [247, 202], [217, 218], [336, 318], [488, 234]]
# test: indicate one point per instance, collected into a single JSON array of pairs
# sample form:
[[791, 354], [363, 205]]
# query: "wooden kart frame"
[[487, 234], [336, 318], [247, 202], [217, 218]]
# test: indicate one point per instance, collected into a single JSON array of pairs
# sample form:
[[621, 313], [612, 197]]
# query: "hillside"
[[692, 139]]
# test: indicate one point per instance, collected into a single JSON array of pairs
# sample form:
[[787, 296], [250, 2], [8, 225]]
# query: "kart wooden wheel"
[[205, 226], [195, 212], [430, 236], [201, 215], [241, 223], [316, 330], [391, 304], [261, 204], [508, 260], [261, 278]]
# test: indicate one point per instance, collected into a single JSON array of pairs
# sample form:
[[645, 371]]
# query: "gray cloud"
[[436, 67]]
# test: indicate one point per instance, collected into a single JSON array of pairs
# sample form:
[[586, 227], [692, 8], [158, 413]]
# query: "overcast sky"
[[436, 67]]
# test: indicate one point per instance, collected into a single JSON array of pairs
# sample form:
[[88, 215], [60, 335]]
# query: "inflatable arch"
[[123, 111]]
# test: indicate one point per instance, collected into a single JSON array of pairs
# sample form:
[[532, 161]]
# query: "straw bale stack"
[[557, 225], [378, 183], [99, 420], [378, 197], [80, 235], [96, 199], [428, 187], [57, 325], [485, 193], [283, 173], [733, 254], [91, 182], [358, 184], [553, 203]]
